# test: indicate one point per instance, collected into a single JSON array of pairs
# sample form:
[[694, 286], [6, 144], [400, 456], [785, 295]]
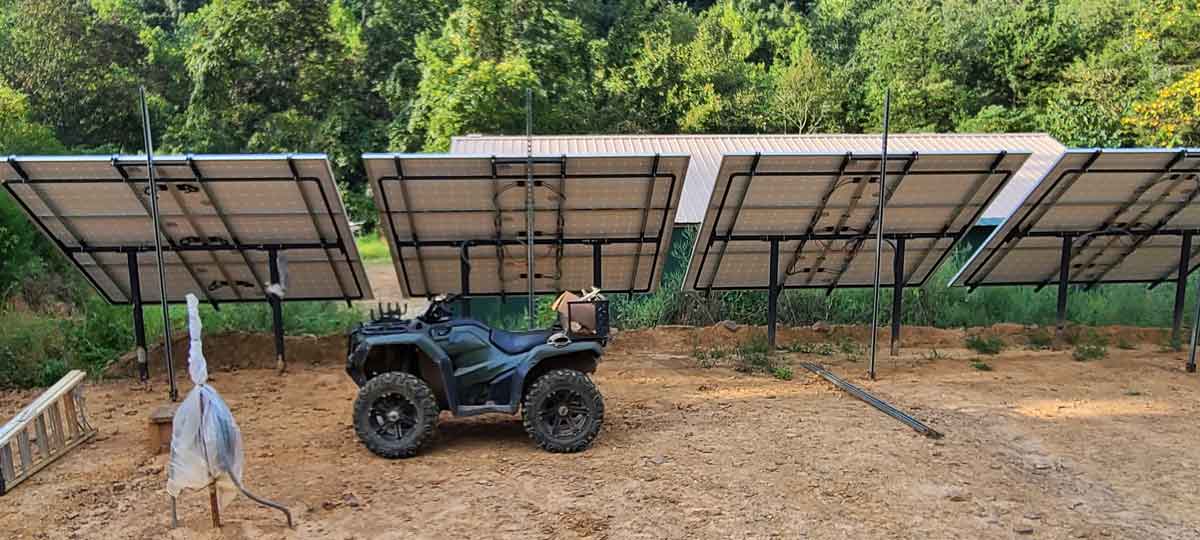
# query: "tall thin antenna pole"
[[887, 109], [152, 188], [529, 204]]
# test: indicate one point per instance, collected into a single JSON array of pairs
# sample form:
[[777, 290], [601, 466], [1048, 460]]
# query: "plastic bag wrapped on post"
[[206, 444]]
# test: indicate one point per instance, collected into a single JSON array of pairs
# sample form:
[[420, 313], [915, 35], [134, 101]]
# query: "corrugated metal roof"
[[707, 150]]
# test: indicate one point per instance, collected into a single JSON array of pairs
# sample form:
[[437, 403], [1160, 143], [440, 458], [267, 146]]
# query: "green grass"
[[933, 304], [783, 373], [372, 248], [985, 344]]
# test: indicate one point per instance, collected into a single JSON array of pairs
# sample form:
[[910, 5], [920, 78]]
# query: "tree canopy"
[[347, 76]]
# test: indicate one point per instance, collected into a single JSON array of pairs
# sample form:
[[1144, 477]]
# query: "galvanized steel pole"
[[529, 204], [162, 274], [887, 106]]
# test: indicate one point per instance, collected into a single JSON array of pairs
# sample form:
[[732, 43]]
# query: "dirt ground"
[[1041, 446]]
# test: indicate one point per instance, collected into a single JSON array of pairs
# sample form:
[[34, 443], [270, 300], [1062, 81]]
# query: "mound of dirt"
[[240, 350]]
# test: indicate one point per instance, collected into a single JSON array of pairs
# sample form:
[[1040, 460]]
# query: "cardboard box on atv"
[[409, 370]]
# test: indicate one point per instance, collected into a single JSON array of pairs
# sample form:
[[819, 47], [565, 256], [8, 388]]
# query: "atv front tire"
[[563, 411], [395, 414]]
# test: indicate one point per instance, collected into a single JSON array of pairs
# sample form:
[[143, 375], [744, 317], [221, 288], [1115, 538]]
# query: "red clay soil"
[[1040, 446]]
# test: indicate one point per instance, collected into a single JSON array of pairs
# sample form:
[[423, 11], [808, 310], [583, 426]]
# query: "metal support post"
[[1064, 279], [529, 232], [1185, 256], [773, 294], [597, 273], [139, 322], [276, 312], [464, 272], [897, 293], [1191, 363]]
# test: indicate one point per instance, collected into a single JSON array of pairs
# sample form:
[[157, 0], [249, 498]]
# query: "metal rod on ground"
[[529, 204], [773, 294], [139, 322], [887, 106], [873, 401], [152, 189], [262, 501], [1064, 279], [897, 293], [276, 312], [1185, 256]]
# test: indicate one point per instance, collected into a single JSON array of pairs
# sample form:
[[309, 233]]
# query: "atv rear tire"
[[395, 414], [563, 411]]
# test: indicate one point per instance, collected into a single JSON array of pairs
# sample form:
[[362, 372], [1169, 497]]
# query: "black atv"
[[409, 370]]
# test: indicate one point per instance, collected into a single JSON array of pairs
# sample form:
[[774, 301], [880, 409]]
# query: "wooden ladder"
[[44, 431]]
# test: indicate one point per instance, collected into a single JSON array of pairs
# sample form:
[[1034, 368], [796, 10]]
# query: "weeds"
[[754, 355], [783, 373], [850, 348], [1089, 351], [819, 348], [985, 344], [1040, 338], [37, 349], [981, 365], [708, 358]]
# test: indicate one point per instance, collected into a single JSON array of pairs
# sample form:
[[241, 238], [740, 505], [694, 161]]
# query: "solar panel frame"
[[237, 242], [1114, 185], [591, 211], [798, 212]]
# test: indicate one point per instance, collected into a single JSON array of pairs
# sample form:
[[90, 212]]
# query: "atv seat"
[[519, 342]]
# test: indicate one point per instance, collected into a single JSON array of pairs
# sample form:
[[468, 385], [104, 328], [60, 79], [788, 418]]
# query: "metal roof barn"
[[707, 150]]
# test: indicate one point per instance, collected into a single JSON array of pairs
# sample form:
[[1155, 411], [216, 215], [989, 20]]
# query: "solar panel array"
[[1122, 212], [457, 223], [221, 218], [822, 211]]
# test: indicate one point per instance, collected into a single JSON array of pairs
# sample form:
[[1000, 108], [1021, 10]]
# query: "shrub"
[[783, 373], [985, 344]]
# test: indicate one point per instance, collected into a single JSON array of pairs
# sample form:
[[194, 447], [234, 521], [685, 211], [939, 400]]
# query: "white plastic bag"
[[206, 444]]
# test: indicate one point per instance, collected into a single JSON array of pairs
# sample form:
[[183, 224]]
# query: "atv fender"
[[545, 352], [422, 342]]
